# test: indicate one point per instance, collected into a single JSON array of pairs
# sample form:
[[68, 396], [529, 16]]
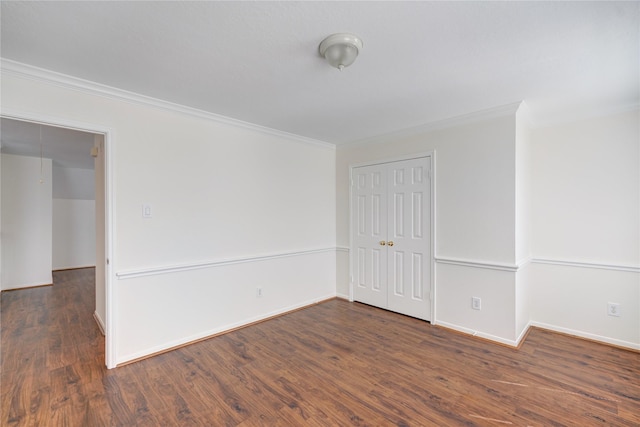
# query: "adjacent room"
[[320, 213]]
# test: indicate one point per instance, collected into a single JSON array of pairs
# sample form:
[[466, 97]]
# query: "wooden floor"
[[333, 364]]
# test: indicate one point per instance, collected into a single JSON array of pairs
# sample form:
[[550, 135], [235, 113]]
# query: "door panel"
[[370, 223], [392, 206], [410, 252]]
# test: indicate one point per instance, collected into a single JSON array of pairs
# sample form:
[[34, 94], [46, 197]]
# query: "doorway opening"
[[55, 206]]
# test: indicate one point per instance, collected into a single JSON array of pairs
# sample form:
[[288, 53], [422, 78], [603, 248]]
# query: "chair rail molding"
[[473, 263], [166, 269], [585, 264]]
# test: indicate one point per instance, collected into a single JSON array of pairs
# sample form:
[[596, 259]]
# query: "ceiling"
[[421, 62], [65, 147]]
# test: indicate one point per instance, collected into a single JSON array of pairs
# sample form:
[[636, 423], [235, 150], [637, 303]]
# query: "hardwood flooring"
[[333, 364]]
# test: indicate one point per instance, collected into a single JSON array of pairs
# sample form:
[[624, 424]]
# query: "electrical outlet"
[[613, 309], [259, 292], [476, 303]]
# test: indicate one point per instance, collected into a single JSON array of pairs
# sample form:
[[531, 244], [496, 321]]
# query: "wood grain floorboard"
[[332, 364]]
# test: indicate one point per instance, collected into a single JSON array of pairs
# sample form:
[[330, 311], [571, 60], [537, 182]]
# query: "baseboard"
[[478, 334], [343, 296], [173, 345], [73, 268], [27, 287], [523, 335], [588, 336], [99, 321]]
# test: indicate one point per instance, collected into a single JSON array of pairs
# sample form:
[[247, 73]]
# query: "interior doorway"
[[74, 160]]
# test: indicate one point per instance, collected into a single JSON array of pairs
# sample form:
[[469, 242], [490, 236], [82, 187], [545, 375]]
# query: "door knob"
[[390, 243], [382, 243]]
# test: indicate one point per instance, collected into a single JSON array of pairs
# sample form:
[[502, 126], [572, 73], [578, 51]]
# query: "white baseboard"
[[587, 335], [521, 337], [343, 296], [99, 321], [523, 334], [495, 338]]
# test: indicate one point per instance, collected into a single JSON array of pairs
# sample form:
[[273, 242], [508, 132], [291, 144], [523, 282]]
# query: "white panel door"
[[369, 235], [391, 236]]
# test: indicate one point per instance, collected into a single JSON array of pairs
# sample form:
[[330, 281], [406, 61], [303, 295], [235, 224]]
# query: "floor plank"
[[336, 363]]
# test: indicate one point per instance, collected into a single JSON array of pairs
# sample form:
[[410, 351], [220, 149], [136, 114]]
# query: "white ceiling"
[[422, 61]]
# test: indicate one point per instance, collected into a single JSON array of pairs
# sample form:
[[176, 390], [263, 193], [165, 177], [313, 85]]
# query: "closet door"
[[408, 238], [369, 235], [391, 210]]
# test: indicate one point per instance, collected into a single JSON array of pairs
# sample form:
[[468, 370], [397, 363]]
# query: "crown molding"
[[465, 119], [10, 67]]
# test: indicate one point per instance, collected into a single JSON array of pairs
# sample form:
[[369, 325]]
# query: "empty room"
[[325, 213]]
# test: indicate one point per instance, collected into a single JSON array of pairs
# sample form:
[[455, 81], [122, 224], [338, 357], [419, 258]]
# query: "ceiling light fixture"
[[341, 49]]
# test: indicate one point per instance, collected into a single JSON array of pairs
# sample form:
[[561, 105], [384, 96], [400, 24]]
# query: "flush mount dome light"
[[340, 50]]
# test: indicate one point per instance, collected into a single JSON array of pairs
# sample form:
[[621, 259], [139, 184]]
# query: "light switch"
[[146, 211]]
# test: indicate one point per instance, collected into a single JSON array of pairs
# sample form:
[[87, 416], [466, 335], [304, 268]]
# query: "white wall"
[[74, 231], [475, 217], [586, 191], [73, 183], [523, 231], [219, 192], [26, 222], [586, 227]]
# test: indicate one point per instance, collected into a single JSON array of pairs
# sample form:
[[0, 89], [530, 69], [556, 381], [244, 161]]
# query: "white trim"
[[152, 271], [74, 83], [343, 296], [587, 335], [342, 249], [110, 241], [434, 284], [53, 121], [450, 122], [216, 331], [99, 321], [478, 264], [523, 334], [495, 338], [111, 297], [614, 267], [387, 160], [523, 262]]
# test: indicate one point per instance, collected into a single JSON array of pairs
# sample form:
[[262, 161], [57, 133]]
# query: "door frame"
[[431, 155], [109, 191]]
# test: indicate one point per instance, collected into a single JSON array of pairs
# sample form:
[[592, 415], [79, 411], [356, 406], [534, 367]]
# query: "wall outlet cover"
[[614, 309]]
